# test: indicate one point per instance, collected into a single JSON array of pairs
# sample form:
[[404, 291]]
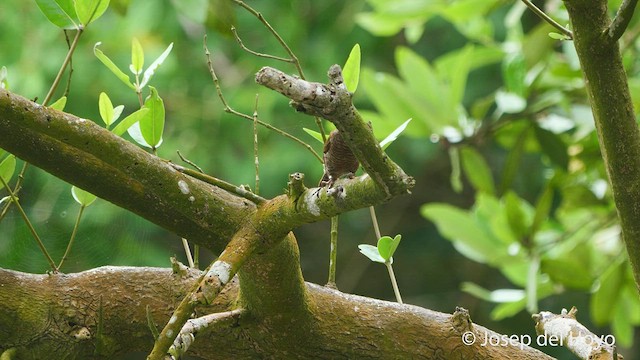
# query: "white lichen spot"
[[183, 186], [82, 334], [173, 319], [222, 270], [356, 308], [170, 334], [312, 205], [192, 198]]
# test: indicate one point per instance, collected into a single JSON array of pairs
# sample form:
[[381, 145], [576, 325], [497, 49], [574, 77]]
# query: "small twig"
[[189, 162], [286, 47], [73, 236], [621, 20], [394, 283], [66, 62], [267, 56], [30, 226], [187, 252], [240, 191], [548, 19], [333, 253], [68, 86], [374, 220], [228, 108], [255, 145]]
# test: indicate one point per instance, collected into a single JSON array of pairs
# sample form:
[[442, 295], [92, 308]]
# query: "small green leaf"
[[552, 146], [7, 168], [387, 247], [495, 296], [394, 135], [60, 13], [111, 66], [127, 122], [506, 310], [314, 134], [90, 10], [516, 215], [117, 111], [137, 57], [154, 66], [4, 82], [371, 252], [82, 197], [152, 123], [558, 36], [59, 104], [604, 300], [543, 207], [351, 69], [477, 170], [106, 109]]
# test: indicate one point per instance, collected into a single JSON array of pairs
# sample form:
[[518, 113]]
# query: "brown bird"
[[338, 160]]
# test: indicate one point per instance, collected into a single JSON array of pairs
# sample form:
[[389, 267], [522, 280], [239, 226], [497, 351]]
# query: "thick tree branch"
[[610, 100], [86, 155], [40, 316]]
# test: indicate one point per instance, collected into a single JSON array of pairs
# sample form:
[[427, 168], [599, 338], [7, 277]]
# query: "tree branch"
[[622, 19], [53, 308]]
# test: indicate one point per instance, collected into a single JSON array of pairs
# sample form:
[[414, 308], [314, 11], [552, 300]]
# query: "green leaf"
[[82, 197], [510, 103], [553, 147], [569, 271], [477, 170], [152, 123], [351, 69], [394, 135], [371, 252], [543, 207], [137, 57], [111, 66], [314, 134], [604, 300], [558, 36], [455, 179], [514, 70], [7, 168], [59, 104], [496, 296], [513, 160], [106, 109], [387, 247], [127, 122], [516, 215], [154, 66], [4, 82], [90, 10], [507, 310], [60, 13]]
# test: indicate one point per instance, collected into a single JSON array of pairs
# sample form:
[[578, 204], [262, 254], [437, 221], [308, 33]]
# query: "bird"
[[338, 160]]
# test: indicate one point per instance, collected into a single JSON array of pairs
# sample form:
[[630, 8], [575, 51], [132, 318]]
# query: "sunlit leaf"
[[154, 66], [152, 123], [127, 122], [137, 57], [59, 104], [111, 66], [603, 301], [61, 13], [106, 109], [371, 252], [90, 10], [351, 70], [387, 246], [82, 197], [314, 134], [394, 135]]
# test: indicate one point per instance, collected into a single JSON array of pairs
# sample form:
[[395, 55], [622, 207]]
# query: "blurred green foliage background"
[[500, 126]]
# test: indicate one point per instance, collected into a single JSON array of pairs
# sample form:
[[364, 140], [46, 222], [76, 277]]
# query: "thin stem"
[[374, 220], [228, 108], [267, 56], [187, 251], [255, 146], [29, 225], [196, 256], [189, 162], [548, 19], [259, 16], [394, 284], [73, 236], [66, 62], [333, 253]]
